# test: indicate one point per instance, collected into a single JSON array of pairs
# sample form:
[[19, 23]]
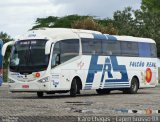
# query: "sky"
[[18, 16]]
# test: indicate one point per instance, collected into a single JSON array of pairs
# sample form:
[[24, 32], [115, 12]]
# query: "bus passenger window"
[[110, 48], [65, 50], [153, 50], [129, 48], [91, 46], [69, 49], [144, 49]]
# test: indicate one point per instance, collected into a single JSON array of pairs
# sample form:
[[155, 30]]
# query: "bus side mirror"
[[48, 47], [4, 48]]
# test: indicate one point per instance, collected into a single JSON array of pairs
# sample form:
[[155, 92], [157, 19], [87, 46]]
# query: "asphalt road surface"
[[88, 103]]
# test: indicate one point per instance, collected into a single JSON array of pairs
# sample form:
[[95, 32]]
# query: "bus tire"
[[40, 94], [73, 90], [133, 88], [102, 91]]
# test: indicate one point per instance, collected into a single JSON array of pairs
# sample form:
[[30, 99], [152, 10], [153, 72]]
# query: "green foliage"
[[64, 22], [141, 23], [125, 22], [151, 17], [76, 21], [151, 5], [6, 38], [40, 22], [91, 24]]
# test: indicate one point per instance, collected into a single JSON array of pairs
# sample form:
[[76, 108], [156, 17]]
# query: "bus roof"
[[133, 39], [56, 34]]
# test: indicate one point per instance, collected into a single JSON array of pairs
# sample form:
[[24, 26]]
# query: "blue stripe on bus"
[[88, 83], [116, 86], [87, 86], [116, 83], [110, 37], [99, 36], [92, 68]]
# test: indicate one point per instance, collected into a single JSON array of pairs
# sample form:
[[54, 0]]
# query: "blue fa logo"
[[109, 64]]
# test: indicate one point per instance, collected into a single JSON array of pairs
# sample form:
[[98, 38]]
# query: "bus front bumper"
[[29, 87]]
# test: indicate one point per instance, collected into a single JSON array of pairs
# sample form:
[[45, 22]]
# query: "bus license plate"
[[25, 86]]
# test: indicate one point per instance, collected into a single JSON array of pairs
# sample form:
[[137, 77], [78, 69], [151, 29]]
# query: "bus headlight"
[[43, 80], [10, 80]]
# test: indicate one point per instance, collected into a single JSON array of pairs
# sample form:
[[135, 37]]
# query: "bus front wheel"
[[73, 90], [40, 94]]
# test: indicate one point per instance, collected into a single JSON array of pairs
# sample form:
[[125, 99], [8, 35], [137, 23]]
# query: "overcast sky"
[[18, 16]]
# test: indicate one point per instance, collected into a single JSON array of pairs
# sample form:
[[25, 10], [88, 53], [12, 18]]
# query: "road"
[[146, 102]]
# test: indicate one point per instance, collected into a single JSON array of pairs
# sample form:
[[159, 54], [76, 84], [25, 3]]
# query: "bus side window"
[[91, 46], [56, 55], [144, 49], [110, 47], [129, 48], [69, 49], [153, 50]]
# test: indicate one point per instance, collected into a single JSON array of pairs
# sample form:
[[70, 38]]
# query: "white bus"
[[62, 60]]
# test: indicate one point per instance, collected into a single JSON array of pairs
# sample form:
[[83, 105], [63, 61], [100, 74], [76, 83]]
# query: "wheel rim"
[[134, 86]]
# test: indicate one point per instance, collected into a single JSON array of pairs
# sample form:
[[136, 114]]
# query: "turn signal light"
[[38, 74]]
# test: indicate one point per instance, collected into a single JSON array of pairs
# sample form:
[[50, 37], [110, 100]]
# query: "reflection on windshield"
[[15, 60], [29, 56]]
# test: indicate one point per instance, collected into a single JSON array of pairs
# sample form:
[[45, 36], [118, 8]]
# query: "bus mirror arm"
[[48, 47], [4, 48]]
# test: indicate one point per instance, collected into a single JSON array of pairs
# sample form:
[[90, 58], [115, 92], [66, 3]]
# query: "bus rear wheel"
[[102, 91], [40, 94], [133, 88], [73, 90]]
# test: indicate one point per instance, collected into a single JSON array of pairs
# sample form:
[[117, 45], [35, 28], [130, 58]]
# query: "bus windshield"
[[29, 56]]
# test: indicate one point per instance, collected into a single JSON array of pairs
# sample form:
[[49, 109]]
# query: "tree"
[[6, 38], [76, 21], [52, 21], [47, 22], [140, 23], [151, 6], [144, 22], [91, 24], [124, 21], [151, 18]]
